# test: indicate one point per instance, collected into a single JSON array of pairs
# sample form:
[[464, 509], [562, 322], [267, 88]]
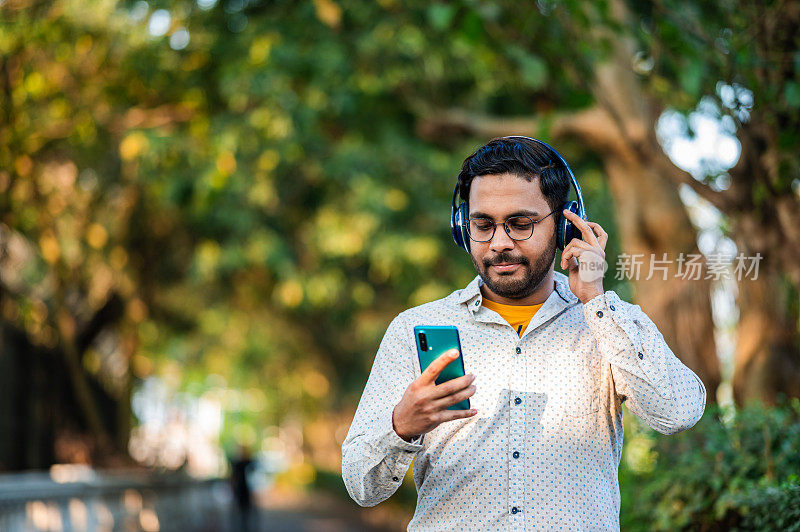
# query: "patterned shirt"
[[542, 452]]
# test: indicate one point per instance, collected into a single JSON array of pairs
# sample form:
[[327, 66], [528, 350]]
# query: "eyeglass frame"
[[505, 226]]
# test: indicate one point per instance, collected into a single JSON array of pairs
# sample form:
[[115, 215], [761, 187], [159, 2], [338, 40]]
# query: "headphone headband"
[[565, 231]]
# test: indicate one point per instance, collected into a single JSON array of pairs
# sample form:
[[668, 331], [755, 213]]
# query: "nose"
[[500, 240]]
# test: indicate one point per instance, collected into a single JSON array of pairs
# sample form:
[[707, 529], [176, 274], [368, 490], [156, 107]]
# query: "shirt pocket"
[[575, 382]]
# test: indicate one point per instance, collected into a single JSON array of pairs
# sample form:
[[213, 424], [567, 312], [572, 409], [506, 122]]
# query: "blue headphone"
[[565, 231]]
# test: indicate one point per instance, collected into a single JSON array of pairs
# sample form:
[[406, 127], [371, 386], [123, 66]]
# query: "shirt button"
[[517, 401], [611, 307], [515, 454], [395, 479], [514, 510], [519, 350], [478, 303], [599, 313], [641, 356]]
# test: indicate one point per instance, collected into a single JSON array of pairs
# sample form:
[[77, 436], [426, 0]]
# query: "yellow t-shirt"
[[518, 316]]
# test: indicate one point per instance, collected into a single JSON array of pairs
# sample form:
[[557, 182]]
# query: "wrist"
[[585, 298], [397, 430]]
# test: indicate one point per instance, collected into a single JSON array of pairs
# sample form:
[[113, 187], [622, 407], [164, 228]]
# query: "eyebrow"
[[523, 212]]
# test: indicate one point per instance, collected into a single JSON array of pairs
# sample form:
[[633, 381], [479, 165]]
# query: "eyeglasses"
[[517, 227]]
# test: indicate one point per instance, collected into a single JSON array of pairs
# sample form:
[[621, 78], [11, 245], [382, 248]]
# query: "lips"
[[505, 266]]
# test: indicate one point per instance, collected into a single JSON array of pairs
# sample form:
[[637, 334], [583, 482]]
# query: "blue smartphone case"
[[441, 338]]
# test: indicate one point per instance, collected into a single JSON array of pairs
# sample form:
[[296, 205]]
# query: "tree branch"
[[107, 315], [141, 118], [722, 200], [592, 125]]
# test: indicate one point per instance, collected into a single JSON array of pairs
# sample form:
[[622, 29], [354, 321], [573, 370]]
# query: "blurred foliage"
[[257, 195], [247, 175], [732, 471]]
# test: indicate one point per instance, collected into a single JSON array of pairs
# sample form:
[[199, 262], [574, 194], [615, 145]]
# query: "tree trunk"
[[653, 224], [41, 418], [652, 219], [766, 361]]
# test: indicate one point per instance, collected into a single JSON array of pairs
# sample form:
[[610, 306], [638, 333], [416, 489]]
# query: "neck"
[[539, 295]]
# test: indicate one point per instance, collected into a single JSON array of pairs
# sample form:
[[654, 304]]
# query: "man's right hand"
[[424, 403]]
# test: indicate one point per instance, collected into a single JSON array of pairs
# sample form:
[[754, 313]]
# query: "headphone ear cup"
[[454, 231], [461, 227], [458, 225], [565, 231]]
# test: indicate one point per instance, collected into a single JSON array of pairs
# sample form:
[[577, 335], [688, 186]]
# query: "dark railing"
[[72, 499]]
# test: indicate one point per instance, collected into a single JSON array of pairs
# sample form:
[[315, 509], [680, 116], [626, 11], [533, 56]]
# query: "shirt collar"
[[472, 290], [562, 287]]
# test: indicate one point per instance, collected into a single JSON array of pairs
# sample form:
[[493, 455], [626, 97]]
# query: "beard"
[[511, 285]]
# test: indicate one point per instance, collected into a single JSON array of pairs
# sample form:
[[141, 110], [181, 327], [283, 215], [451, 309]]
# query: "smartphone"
[[432, 341]]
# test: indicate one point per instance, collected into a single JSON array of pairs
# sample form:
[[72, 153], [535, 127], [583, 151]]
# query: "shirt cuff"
[[599, 314]]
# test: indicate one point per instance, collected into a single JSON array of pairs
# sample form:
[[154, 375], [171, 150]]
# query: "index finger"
[[435, 368], [580, 223], [602, 236]]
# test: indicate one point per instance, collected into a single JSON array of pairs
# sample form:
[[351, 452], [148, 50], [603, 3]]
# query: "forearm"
[[374, 458], [375, 462], [658, 387]]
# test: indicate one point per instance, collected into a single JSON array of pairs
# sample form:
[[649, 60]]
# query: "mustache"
[[504, 257]]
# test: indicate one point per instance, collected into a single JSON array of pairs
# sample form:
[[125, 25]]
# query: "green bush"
[[731, 471], [772, 507]]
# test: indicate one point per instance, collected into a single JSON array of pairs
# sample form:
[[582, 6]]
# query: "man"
[[245, 518], [549, 359]]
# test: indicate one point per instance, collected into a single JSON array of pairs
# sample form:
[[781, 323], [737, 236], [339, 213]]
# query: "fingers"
[[435, 368], [450, 400], [583, 227], [602, 236], [580, 223], [569, 264], [452, 386], [424, 404], [575, 249], [581, 251], [575, 243], [450, 415]]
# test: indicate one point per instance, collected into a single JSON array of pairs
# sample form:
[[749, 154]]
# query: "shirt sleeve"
[[374, 458], [659, 388]]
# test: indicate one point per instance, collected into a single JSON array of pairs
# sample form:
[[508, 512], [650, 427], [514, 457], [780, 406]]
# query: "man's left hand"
[[585, 259]]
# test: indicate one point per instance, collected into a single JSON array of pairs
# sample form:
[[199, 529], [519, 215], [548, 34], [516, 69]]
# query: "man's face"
[[512, 269]]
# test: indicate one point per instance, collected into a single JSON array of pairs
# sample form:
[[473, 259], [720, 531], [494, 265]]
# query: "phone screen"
[[432, 341]]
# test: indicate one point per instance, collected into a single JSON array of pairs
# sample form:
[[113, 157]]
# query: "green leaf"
[[533, 69], [440, 15], [791, 93], [691, 78]]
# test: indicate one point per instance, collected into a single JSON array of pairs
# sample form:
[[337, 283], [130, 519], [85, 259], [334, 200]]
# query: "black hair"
[[523, 158]]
